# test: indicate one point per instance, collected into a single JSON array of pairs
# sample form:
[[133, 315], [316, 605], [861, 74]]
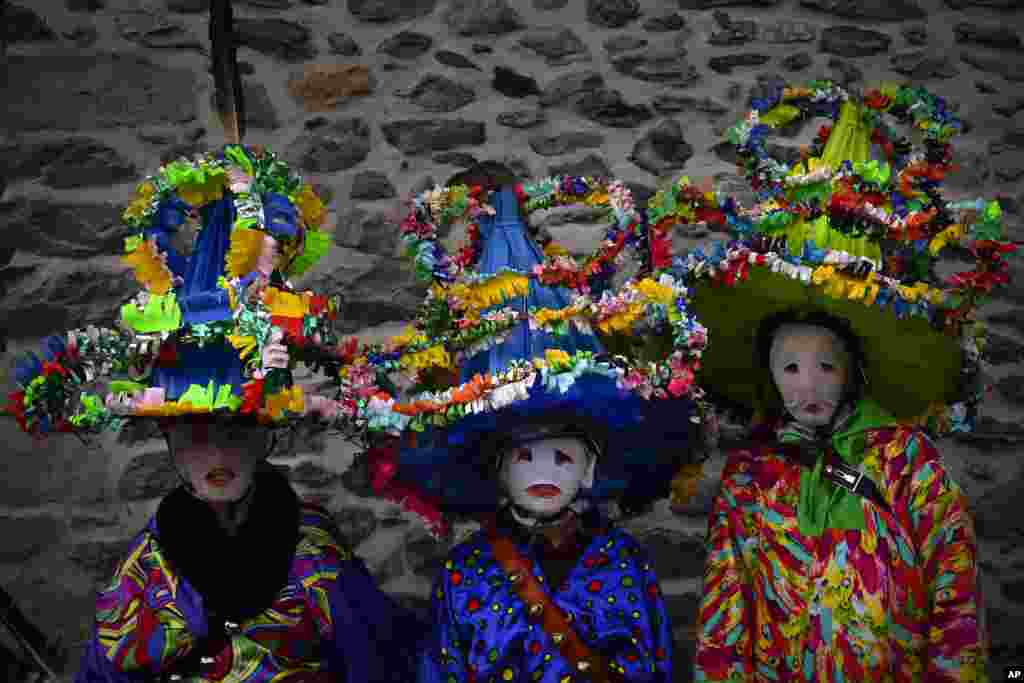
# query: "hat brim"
[[645, 442], [909, 365]]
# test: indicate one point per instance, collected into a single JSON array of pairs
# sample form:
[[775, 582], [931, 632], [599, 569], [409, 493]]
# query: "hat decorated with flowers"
[[857, 238], [192, 340], [214, 241], [858, 124], [510, 333]]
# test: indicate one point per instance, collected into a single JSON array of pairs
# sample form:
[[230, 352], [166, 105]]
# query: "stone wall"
[[377, 99]]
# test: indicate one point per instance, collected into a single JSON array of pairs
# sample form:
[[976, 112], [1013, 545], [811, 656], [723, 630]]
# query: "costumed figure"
[[234, 578], [840, 549], [517, 416]]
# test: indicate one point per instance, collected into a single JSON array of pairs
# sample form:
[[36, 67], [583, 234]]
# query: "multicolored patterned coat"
[[898, 601], [482, 632], [330, 624]]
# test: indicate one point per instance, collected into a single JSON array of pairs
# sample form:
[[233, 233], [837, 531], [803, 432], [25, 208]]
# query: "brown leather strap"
[[543, 611]]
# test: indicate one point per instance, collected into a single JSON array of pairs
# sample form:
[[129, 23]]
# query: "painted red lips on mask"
[[220, 476], [544, 490]]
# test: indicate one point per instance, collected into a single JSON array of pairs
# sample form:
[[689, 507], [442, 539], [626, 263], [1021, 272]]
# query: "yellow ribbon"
[[245, 344], [290, 399], [285, 304], [150, 270], [435, 356], [244, 252]]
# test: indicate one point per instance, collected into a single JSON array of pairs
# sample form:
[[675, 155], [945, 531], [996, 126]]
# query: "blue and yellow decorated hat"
[[856, 237], [511, 332], [191, 341]]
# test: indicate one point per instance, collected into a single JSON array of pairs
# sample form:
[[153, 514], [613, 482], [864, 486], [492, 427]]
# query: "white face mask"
[[810, 367], [543, 477]]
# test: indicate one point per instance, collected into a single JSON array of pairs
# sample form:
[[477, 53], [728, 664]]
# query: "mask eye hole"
[[523, 455], [828, 367], [790, 368], [563, 458]]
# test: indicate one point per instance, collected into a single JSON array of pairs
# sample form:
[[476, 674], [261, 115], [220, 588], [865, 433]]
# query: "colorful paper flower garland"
[[650, 302], [52, 395], [771, 178], [436, 209], [867, 202], [275, 234], [866, 206], [627, 229], [683, 202], [465, 317], [57, 390]]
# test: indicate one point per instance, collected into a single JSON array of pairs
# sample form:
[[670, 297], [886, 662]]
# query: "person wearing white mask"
[[549, 587], [839, 545], [840, 548], [810, 368], [547, 438], [816, 370]]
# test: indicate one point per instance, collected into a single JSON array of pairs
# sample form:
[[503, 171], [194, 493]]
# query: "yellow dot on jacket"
[[245, 344]]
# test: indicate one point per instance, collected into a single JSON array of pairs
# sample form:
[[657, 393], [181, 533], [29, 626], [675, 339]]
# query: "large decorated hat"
[[213, 243], [510, 333], [858, 238], [191, 340]]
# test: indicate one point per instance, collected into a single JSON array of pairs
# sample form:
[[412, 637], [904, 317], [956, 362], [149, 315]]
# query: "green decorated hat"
[[856, 238]]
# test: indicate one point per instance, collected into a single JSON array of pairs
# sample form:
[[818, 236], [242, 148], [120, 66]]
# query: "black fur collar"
[[240, 576]]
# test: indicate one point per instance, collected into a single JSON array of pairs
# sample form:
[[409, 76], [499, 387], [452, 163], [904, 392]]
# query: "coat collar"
[[237, 576]]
